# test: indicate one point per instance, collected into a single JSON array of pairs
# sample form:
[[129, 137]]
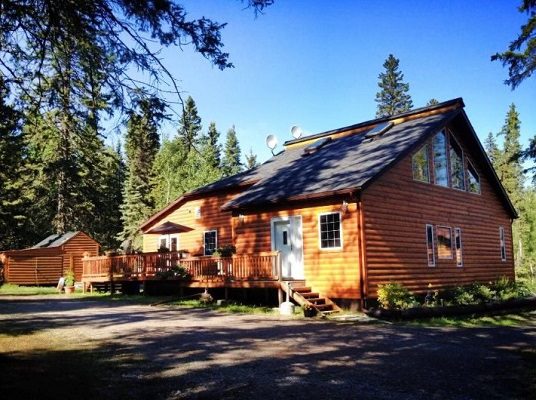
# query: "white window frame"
[[458, 233], [433, 263], [502, 243], [205, 241], [320, 232], [471, 165], [451, 244], [167, 238]]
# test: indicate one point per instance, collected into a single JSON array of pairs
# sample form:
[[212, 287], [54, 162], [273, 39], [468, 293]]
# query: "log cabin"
[[48, 260], [411, 198]]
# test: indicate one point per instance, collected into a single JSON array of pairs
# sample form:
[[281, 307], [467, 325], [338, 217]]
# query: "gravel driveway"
[[141, 352]]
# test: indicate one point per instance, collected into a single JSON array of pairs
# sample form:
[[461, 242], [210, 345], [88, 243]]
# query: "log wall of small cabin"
[[332, 272], [212, 218], [34, 267], [396, 211], [74, 250]]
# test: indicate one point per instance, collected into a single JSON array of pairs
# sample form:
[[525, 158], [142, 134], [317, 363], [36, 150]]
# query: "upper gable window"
[[457, 175], [473, 180], [439, 146], [420, 165]]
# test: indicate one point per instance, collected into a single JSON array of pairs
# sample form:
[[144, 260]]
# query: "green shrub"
[[394, 296], [177, 272], [462, 296], [507, 289], [481, 293]]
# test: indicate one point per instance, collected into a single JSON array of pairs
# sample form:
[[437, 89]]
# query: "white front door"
[[287, 239]]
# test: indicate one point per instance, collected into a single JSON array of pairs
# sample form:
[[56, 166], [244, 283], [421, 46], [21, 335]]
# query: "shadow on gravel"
[[199, 354]]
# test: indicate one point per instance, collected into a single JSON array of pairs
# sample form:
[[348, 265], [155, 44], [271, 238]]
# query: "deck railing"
[[244, 267]]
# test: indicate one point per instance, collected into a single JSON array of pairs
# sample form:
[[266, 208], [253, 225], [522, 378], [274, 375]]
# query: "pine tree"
[[12, 205], [492, 149], [432, 102], [509, 168], [213, 149], [141, 147], [190, 125], [251, 160], [393, 97], [231, 160]]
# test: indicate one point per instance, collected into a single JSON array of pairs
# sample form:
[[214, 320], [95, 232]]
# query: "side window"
[[473, 180], [210, 239], [420, 165], [457, 175], [430, 245], [330, 231], [444, 242], [458, 246], [502, 243], [439, 146]]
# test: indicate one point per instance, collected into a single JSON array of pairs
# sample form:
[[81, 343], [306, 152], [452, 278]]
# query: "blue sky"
[[316, 63]]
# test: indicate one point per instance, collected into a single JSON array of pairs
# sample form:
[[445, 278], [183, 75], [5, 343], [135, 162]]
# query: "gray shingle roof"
[[350, 162], [54, 240]]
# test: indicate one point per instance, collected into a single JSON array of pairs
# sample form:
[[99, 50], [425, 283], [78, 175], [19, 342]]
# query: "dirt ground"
[[96, 349]]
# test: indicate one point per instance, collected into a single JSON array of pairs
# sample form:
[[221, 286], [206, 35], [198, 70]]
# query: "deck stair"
[[304, 295]]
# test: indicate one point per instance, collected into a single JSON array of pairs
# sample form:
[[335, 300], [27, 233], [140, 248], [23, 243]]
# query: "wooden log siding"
[[396, 211], [245, 267], [332, 272], [74, 250], [35, 270], [212, 218]]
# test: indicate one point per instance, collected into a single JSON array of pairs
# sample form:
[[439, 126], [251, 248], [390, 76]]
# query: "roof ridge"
[[416, 111]]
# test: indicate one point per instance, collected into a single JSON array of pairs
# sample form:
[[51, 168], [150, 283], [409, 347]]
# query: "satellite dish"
[[296, 131], [271, 142]]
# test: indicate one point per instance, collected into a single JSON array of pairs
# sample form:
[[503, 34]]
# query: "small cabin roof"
[[55, 240]]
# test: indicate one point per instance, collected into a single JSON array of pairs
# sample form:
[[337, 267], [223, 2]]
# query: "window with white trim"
[[169, 242], [419, 163], [458, 246], [163, 242], [210, 239], [444, 242], [430, 245], [330, 230], [502, 243]]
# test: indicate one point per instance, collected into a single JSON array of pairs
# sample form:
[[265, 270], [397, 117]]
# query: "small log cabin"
[[410, 198], [48, 260]]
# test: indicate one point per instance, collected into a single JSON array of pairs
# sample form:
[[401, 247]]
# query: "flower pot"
[[309, 312], [69, 289]]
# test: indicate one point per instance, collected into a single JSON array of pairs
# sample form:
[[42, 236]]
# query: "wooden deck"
[[245, 270]]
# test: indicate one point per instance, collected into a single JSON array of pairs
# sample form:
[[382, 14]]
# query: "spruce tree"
[[509, 165], [190, 125], [141, 147], [393, 97], [251, 160], [12, 204], [490, 145], [231, 159], [213, 148], [432, 102]]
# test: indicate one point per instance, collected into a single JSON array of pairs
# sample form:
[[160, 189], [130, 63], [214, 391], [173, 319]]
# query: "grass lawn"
[[518, 319], [16, 290]]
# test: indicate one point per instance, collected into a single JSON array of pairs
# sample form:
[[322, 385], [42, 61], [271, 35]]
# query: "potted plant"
[[69, 282], [308, 310]]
